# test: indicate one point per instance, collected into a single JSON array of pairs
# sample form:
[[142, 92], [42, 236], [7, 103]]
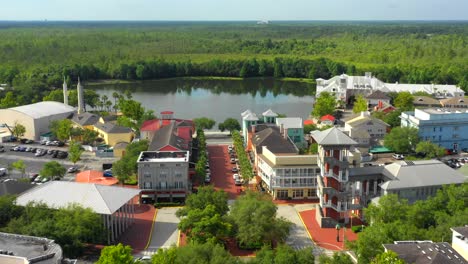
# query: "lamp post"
[[338, 227]]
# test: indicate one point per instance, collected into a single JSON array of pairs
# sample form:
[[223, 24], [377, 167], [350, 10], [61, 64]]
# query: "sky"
[[234, 9]]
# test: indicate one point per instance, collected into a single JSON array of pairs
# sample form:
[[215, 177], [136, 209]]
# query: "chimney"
[[253, 129], [65, 91], [81, 105], [380, 104]]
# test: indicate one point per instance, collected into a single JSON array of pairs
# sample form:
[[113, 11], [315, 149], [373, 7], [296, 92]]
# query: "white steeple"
[[81, 105], [65, 91]]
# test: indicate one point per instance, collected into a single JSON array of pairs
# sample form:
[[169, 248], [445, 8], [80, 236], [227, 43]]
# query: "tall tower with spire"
[[81, 104], [65, 91]]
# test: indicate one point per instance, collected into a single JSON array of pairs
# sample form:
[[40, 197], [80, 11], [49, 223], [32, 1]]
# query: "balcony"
[[343, 163], [339, 207], [341, 176]]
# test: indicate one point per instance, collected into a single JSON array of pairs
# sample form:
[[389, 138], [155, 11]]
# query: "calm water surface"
[[218, 99]]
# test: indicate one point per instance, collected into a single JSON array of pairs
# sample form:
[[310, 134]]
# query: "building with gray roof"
[[426, 252], [37, 117], [85, 119], [114, 204], [14, 187], [21, 249]]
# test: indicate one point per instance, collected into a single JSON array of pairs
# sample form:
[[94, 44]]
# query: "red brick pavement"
[[220, 167], [138, 234], [325, 237]]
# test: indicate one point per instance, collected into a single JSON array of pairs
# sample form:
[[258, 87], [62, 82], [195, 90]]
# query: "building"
[[377, 98], [149, 128], [113, 133], [85, 120], [164, 175], [384, 107], [294, 128], [273, 138], [21, 249], [36, 117], [14, 187], [455, 102], [425, 102], [346, 87], [425, 252], [119, 149], [460, 240], [249, 119], [288, 176], [327, 120], [447, 128], [418, 180], [114, 204], [366, 130]]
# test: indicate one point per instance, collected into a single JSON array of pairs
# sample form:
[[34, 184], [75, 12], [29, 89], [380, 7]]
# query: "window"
[[434, 129], [282, 194], [311, 193], [146, 175], [147, 185], [440, 129], [163, 185], [177, 165], [298, 193]]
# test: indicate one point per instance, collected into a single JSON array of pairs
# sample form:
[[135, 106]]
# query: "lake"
[[218, 99]]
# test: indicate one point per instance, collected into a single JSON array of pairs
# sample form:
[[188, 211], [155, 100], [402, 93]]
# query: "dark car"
[[33, 176], [50, 152]]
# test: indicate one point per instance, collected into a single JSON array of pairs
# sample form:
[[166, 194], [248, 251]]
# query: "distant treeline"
[[35, 57]]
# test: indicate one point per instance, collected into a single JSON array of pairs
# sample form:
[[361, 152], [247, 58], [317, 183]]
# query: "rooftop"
[[407, 174], [454, 101], [97, 177], [425, 100], [14, 187], [378, 95], [30, 248], [289, 122], [85, 119], [44, 109], [420, 252], [272, 138], [111, 128], [164, 156], [58, 194], [270, 113], [332, 136], [151, 125], [327, 117], [166, 136], [462, 230]]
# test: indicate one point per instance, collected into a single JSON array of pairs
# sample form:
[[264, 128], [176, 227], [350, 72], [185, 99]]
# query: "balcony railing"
[[167, 188], [341, 176]]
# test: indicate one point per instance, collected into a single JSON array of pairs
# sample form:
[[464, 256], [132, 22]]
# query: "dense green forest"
[[36, 56]]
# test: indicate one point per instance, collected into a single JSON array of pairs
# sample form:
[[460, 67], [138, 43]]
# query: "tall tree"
[[20, 166], [430, 149], [118, 254], [18, 130], [324, 105], [402, 139], [61, 128], [204, 123], [360, 104], [388, 257], [205, 196], [74, 152], [404, 101], [52, 169], [230, 124]]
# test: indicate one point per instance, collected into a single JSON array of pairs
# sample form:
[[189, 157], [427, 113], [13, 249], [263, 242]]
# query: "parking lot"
[[221, 170], [34, 164]]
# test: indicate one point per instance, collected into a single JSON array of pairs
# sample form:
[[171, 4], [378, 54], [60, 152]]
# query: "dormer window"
[[420, 99], [461, 101]]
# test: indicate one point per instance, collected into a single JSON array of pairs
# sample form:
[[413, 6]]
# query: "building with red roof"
[[309, 122], [327, 120], [97, 177], [149, 127]]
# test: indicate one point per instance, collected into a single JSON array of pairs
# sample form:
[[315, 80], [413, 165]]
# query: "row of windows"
[[298, 182], [163, 185], [296, 172], [162, 174], [283, 194]]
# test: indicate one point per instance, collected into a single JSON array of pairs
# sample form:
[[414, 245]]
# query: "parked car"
[[72, 169], [44, 179], [398, 156], [13, 147], [50, 152], [26, 141], [33, 176], [235, 176], [108, 173], [208, 178], [233, 161], [38, 179], [3, 171], [238, 182], [2, 149], [234, 169]]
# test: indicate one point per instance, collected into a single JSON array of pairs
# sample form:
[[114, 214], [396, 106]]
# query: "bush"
[[358, 228], [167, 204]]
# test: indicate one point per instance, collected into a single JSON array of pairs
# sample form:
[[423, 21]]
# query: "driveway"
[[165, 232]]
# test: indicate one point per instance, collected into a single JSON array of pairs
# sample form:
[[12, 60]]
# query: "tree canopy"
[[52, 169], [402, 139], [324, 105], [229, 124], [404, 101], [61, 129], [18, 130], [429, 149], [74, 151], [204, 123], [360, 104], [118, 254]]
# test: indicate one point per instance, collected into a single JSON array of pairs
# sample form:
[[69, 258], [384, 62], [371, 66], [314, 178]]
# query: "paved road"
[[165, 232], [220, 168]]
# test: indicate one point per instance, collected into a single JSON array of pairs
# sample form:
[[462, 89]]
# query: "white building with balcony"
[[288, 176]]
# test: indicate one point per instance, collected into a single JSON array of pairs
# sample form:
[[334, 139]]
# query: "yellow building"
[[85, 120], [113, 134], [288, 176]]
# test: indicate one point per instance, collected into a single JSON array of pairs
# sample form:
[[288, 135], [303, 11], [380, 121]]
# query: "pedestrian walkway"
[[138, 234], [165, 232]]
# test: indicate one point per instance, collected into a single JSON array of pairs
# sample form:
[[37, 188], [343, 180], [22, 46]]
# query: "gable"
[[169, 148]]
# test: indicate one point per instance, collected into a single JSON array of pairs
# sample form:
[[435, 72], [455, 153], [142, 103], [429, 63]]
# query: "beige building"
[[113, 134], [288, 176], [460, 240], [366, 130], [37, 117]]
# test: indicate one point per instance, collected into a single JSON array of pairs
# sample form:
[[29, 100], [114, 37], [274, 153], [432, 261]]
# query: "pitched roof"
[[58, 194], [378, 94], [109, 118], [85, 119], [150, 125], [111, 128], [250, 117], [426, 252], [270, 113], [425, 100], [454, 101], [332, 136], [44, 109], [289, 122], [407, 174], [167, 136], [246, 112], [309, 122], [462, 230], [327, 117], [357, 121], [14, 187], [272, 138]]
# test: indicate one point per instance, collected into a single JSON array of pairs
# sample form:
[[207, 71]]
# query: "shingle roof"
[[378, 94], [111, 128], [14, 187], [454, 101], [462, 230], [332, 136], [58, 194], [355, 122], [407, 174], [85, 119], [246, 112], [166, 136], [426, 252], [44, 109], [425, 100], [272, 138]]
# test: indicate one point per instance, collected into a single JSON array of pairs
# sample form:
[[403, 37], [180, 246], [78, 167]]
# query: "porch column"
[[112, 229], [375, 187], [367, 187]]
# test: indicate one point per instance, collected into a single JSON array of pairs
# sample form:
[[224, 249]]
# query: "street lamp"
[[338, 227]]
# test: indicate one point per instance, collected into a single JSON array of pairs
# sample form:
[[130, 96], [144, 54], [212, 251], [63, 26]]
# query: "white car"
[[398, 156], [207, 178], [235, 176], [3, 171]]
